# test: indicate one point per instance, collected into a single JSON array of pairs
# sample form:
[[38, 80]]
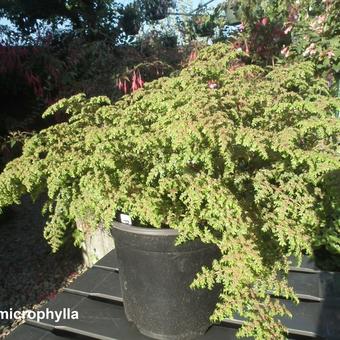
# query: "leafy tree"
[[89, 14]]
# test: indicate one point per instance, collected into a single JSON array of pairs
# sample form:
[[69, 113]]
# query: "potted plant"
[[155, 277], [250, 167]]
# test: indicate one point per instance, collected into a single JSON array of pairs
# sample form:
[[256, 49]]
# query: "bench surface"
[[97, 297]]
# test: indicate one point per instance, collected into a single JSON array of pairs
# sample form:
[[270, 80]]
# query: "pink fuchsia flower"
[[310, 50], [119, 84], [293, 13], [321, 19], [330, 54], [288, 29], [265, 21], [192, 56], [262, 22], [134, 85], [285, 52], [137, 81], [140, 81], [318, 23]]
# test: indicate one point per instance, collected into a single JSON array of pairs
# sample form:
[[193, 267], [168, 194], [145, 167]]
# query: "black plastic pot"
[[155, 276]]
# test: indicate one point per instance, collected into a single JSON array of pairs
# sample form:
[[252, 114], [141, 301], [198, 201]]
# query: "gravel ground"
[[30, 275]]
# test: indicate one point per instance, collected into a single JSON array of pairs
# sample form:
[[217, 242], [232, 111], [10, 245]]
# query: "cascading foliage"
[[250, 164]]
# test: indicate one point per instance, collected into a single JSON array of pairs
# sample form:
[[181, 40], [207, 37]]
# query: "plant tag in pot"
[[126, 219]]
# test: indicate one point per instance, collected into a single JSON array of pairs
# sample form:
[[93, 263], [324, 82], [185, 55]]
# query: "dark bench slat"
[[105, 319], [322, 285], [108, 320], [98, 280], [309, 318], [109, 260], [96, 295], [28, 332]]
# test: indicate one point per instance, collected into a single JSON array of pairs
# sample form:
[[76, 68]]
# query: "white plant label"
[[126, 219]]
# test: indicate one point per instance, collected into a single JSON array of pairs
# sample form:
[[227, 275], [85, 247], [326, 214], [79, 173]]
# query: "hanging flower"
[[293, 13], [310, 50], [134, 85], [330, 54], [192, 56], [140, 81], [265, 21], [285, 52], [318, 23], [288, 29], [137, 81]]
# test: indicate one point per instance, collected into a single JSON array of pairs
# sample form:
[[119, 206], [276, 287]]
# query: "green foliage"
[[94, 19], [317, 36], [131, 20], [90, 15], [13, 139], [155, 9], [250, 165], [301, 30]]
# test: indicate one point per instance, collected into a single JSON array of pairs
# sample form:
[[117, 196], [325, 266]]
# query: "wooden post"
[[97, 243]]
